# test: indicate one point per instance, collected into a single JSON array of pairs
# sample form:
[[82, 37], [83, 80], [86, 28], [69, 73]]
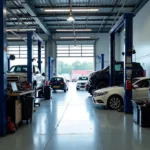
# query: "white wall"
[[141, 38], [101, 45]]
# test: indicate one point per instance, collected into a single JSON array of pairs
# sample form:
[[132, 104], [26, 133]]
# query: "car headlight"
[[100, 94], [22, 79]]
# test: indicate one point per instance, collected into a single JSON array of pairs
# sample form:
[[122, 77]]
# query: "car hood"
[[17, 74], [81, 81], [113, 88]]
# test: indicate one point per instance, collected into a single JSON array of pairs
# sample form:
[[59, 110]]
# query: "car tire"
[[90, 91], [115, 102], [77, 89], [65, 90]]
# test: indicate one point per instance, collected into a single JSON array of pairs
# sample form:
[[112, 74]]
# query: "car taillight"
[[144, 73]]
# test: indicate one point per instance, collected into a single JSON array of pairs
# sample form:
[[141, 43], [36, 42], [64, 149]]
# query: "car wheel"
[[115, 102], [77, 89], [65, 91], [90, 91]]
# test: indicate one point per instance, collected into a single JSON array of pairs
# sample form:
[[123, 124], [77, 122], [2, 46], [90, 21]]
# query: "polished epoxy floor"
[[70, 122]]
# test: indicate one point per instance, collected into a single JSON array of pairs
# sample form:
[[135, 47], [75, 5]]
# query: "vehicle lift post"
[[125, 23], [30, 35], [39, 55], [50, 67], [4, 67]]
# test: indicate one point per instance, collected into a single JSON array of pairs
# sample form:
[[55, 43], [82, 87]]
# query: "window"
[[83, 78], [57, 79], [21, 51], [143, 84], [75, 51], [18, 69], [118, 67]]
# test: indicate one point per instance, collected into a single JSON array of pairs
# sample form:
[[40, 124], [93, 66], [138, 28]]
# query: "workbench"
[[16, 104]]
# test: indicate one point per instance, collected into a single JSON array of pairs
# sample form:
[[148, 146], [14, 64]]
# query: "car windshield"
[[18, 69], [133, 81], [58, 79], [83, 78]]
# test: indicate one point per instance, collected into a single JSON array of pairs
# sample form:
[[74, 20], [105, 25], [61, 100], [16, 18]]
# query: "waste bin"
[[144, 115], [136, 111], [27, 108], [47, 92]]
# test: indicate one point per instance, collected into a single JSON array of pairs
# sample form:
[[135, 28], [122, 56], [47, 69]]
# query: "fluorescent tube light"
[[75, 37], [71, 30], [15, 38], [73, 10], [20, 30]]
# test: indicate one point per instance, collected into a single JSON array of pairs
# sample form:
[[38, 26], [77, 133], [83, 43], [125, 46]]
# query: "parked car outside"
[[100, 79], [18, 74], [59, 83], [113, 97], [81, 82]]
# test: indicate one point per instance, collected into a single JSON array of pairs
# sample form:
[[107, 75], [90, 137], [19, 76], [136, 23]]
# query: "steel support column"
[[29, 56], [112, 60], [8, 63], [102, 61], [128, 40], [39, 55], [49, 68], [3, 67]]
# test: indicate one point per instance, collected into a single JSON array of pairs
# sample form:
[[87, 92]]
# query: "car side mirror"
[[135, 86], [43, 74]]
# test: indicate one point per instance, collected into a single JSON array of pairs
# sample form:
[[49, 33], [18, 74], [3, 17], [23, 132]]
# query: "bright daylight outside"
[[74, 61]]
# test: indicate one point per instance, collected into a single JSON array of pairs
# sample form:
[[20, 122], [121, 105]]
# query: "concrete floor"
[[71, 122]]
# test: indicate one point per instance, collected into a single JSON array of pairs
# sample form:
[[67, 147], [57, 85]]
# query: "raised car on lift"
[[100, 79]]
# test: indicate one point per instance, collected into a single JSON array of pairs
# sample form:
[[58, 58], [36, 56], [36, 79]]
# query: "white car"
[[81, 82], [113, 96], [18, 73]]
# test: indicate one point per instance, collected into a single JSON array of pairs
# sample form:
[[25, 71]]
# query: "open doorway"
[[74, 61]]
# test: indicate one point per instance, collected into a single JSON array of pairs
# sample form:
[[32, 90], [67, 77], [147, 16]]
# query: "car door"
[[119, 73], [38, 76], [141, 93]]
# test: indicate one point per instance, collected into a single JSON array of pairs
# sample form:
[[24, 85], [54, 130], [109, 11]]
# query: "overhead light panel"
[[71, 30], [20, 30], [73, 10], [82, 37], [16, 38]]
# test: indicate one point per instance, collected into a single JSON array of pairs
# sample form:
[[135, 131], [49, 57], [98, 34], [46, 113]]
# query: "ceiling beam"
[[60, 20], [78, 24], [139, 6], [43, 15], [75, 6], [31, 10]]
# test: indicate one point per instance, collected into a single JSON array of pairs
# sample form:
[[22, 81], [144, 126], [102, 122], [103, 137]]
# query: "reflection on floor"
[[70, 122]]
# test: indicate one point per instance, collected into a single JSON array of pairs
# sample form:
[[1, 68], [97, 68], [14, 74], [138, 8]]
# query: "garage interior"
[[37, 33]]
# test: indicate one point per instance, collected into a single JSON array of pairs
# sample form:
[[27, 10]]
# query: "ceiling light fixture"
[[70, 30], [20, 30], [73, 10], [70, 19], [86, 37], [15, 38]]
